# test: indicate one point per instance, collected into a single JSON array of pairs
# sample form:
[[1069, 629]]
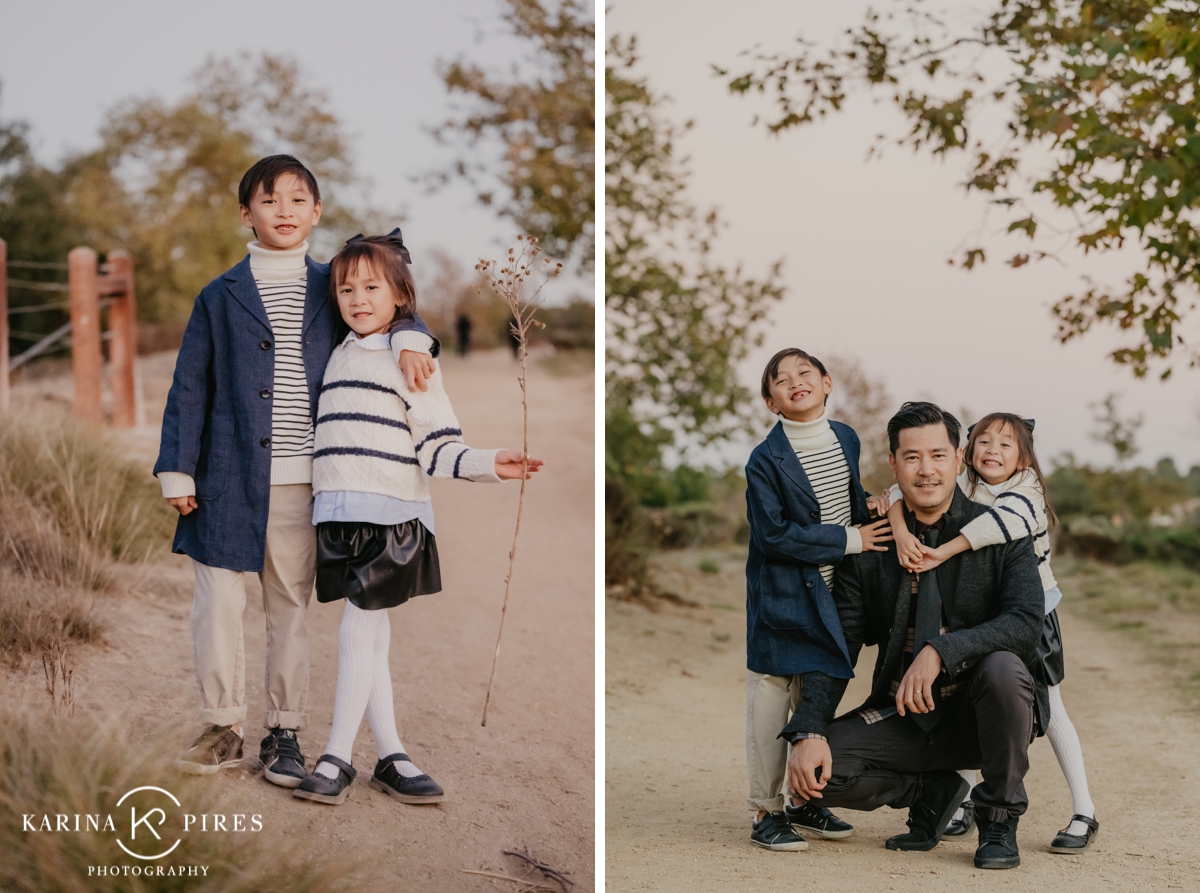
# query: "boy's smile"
[[282, 219], [798, 390]]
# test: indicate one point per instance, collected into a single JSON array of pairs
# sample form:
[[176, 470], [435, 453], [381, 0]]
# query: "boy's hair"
[[773, 367], [267, 170], [919, 414], [1022, 432], [385, 260]]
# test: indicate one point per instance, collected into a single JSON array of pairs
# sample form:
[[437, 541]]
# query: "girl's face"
[[798, 390], [366, 300], [996, 457]]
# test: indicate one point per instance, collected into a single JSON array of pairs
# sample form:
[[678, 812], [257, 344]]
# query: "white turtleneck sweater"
[[282, 281], [824, 463]]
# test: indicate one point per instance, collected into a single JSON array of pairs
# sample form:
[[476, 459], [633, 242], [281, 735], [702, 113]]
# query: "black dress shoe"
[[327, 790], [415, 789], [997, 844], [964, 826], [817, 820], [939, 795], [1075, 843], [283, 764]]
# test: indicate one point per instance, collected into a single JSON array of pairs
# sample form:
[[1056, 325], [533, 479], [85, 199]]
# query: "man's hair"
[[385, 262], [919, 414], [267, 170], [773, 367]]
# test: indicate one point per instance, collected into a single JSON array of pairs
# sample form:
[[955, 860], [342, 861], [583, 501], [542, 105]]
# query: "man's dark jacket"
[[791, 620], [217, 423], [992, 600]]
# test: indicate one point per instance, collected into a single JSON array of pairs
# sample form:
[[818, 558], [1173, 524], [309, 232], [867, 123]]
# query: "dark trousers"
[[988, 727]]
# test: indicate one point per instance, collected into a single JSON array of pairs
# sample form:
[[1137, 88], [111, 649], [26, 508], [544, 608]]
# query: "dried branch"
[[545, 869], [520, 271]]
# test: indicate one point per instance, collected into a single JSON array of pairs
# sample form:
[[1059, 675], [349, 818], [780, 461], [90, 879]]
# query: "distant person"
[[463, 325], [807, 512], [1003, 473], [236, 462], [955, 682], [514, 340], [377, 444]]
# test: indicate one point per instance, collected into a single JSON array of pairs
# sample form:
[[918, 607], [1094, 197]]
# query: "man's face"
[[282, 219], [925, 466], [798, 390]]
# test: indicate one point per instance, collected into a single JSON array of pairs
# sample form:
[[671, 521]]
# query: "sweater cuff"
[[853, 541], [479, 466], [416, 341], [176, 484]]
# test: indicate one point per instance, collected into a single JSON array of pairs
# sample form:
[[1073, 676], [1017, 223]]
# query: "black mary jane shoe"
[[964, 826], [327, 790], [418, 789], [1075, 843]]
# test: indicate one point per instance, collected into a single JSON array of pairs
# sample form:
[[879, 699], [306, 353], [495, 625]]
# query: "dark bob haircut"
[[919, 415], [773, 367], [267, 170], [384, 261]]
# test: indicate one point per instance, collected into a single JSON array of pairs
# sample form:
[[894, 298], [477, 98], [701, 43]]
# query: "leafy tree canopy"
[[1099, 105]]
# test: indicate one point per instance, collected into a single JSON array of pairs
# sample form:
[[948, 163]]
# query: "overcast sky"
[[866, 243], [64, 63]]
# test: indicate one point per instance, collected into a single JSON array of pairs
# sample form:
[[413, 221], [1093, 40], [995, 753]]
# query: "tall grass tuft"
[[52, 765]]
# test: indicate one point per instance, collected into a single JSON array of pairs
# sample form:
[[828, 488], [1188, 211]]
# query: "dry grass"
[[51, 765]]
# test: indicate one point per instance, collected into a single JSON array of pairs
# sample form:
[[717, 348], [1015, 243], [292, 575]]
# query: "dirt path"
[[676, 772], [524, 781]]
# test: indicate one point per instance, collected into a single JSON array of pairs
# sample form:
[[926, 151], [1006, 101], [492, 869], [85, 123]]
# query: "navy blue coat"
[[792, 624], [217, 424]]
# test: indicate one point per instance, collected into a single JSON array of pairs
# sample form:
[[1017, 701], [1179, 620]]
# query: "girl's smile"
[[997, 456]]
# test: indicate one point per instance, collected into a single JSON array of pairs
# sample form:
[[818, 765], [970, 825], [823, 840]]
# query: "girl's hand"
[[418, 368], [508, 465], [931, 558], [874, 535], [908, 551], [878, 505], [185, 505]]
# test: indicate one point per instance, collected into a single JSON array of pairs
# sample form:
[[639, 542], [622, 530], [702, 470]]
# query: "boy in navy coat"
[[807, 510], [236, 461]]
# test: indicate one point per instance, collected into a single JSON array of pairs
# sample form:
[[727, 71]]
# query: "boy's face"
[[798, 390], [366, 300], [283, 219]]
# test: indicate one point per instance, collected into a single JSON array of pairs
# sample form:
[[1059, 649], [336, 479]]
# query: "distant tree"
[[544, 115], [1116, 430], [1099, 115]]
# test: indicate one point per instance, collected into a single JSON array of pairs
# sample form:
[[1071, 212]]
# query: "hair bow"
[[1029, 423], [395, 240]]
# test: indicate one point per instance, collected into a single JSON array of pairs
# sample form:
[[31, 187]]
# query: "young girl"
[[1002, 472], [376, 443]]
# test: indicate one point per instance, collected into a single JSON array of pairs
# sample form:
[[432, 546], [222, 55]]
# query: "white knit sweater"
[[374, 435]]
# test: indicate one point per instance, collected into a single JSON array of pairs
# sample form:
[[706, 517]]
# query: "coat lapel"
[[781, 449], [947, 573], [316, 295], [241, 285]]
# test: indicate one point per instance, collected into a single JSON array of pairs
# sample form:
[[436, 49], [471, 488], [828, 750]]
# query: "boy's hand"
[[185, 505], [908, 551], [878, 505], [418, 368], [809, 765], [874, 535], [508, 465]]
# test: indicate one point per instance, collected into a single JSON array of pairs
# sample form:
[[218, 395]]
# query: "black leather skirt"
[[1048, 665], [376, 566]]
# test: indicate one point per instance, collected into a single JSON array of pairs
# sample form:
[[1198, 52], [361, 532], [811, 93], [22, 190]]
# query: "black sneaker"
[[817, 820], [217, 748], [407, 789], [938, 796], [1075, 843], [774, 832], [997, 844], [283, 764], [962, 827]]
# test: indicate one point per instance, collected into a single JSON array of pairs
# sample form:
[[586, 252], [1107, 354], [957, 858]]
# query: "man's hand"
[[185, 505], [874, 535], [916, 688], [808, 756], [879, 505], [508, 465], [418, 368]]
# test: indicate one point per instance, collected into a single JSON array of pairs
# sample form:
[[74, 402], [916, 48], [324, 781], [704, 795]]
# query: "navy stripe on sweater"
[[362, 417], [361, 451], [440, 432], [1000, 524], [1005, 508], [433, 461], [364, 385]]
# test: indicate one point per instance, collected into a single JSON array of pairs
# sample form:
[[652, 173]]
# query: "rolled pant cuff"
[[775, 804], [223, 716], [286, 719]]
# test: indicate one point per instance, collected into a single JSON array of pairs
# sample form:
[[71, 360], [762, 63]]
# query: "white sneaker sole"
[[827, 835], [782, 847]]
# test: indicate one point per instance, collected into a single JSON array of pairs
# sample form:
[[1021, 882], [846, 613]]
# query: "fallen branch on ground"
[[545, 869]]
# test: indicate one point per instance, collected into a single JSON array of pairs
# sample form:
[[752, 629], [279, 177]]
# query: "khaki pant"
[[770, 701], [289, 567]]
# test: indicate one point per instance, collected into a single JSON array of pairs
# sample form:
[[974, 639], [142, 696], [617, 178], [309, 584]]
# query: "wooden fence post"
[[84, 284], [4, 398], [122, 323]]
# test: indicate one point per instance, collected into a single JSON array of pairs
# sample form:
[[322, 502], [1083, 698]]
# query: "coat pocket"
[[787, 598], [216, 458]]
